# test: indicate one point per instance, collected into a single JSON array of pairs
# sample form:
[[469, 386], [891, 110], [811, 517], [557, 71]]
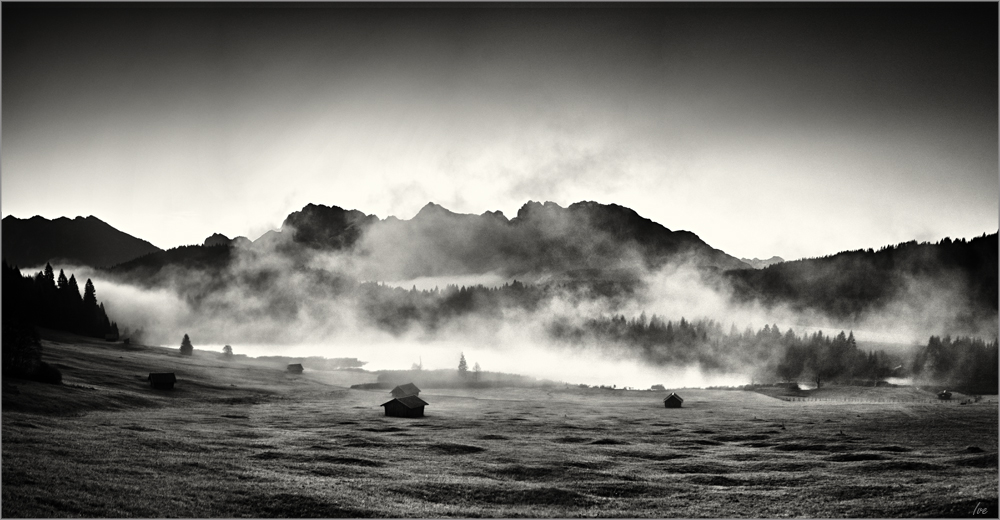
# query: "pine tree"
[[50, 276], [476, 370], [74, 289], [186, 347], [104, 324], [89, 297], [463, 369]]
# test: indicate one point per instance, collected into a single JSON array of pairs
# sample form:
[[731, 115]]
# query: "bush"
[[46, 373], [21, 346], [22, 354]]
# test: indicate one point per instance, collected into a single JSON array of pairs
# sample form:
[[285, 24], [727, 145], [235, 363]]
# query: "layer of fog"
[[294, 317], [543, 362]]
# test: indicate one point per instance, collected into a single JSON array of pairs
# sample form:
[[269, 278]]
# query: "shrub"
[[46, 373]]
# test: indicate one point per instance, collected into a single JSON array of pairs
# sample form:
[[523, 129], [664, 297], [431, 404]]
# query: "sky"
[[795, 130]]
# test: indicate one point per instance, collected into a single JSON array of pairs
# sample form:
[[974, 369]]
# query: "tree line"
[[849, 284], [965, 364], [46, 300], [768, 353]]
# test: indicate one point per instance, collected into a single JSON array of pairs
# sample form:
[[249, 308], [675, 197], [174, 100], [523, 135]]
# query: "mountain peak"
[[432, 209], [757, 263], [217, 239]]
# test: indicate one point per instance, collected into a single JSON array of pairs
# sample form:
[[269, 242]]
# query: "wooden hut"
[[295, 368], [162, 380], [409, 406], [672, 401], [944, 394], [405, 390]]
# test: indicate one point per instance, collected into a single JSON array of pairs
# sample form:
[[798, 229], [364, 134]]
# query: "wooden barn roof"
[[410, 401], [290, 365], [162, 377], [673, 396], [408, 389]]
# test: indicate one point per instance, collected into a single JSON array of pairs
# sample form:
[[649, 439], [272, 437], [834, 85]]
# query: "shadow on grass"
[[455, 449], [311, 458], [494, 495], [287, 505]]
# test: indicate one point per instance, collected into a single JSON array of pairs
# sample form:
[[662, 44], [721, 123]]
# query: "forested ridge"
[[847, 285]]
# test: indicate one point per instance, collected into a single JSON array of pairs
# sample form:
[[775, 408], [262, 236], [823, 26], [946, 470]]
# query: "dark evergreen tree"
[[186, 347], [463, 368], [50, 277], [227, 351], [89, 296], [74, 289]]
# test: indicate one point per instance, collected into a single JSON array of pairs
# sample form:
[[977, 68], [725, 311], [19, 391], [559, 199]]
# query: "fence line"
[[882, 400]]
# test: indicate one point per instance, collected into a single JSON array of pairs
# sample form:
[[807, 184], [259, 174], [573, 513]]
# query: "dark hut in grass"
[[405, 390], [944, 395], [295, 368], [409, 406], [673, 401], [162, 380]]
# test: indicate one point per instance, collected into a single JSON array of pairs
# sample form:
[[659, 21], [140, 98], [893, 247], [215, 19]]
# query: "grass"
[[245, 439]]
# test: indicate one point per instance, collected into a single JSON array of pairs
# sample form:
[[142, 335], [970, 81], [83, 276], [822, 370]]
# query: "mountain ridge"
[[543, 236], [84, 240]]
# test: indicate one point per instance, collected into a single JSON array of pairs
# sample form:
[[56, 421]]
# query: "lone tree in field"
[[463, 369], [186, 347], [476, 370], [227, 351]]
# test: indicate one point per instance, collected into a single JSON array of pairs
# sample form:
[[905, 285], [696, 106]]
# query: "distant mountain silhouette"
[[587, 240], [86, 241], [541, 238], [757, 263]]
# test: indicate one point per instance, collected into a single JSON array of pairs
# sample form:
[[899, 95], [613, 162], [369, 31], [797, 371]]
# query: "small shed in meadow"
[[672, 401], [409, 406], [944, 394], [162, 380], [405, 390], [295, 368]]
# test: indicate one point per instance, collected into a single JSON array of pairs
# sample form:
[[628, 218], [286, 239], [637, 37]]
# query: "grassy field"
[[244, 439]]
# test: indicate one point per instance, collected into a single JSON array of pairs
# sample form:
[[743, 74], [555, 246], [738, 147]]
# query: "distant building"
[[672, 401], [944, 394], [657, 387], [405, 390], [295, 368], [162, 380], [409, 406]]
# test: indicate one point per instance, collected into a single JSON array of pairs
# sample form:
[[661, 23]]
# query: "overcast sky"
[[784, 130]]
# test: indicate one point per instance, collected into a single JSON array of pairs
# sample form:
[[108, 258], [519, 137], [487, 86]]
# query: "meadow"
[[239, 438]]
